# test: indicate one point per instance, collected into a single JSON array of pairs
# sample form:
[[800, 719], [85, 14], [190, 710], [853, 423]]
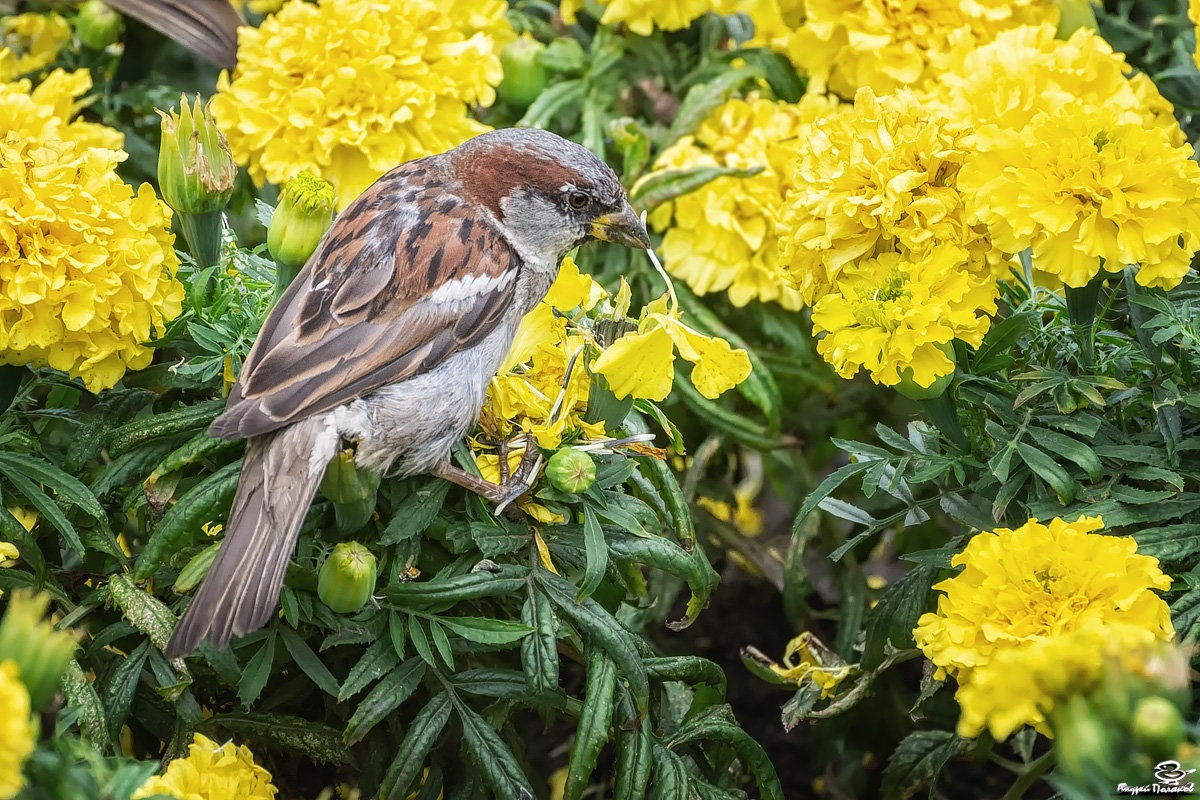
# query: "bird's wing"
[[407, 276]]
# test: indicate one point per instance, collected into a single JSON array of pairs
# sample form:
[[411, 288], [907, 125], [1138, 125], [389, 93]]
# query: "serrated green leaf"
[[378, 659], [422, 734], [311, 740], [486, 631], [918, 759], [258, 671], [384, 698], [593, 729], [492, 756], [310, 662]]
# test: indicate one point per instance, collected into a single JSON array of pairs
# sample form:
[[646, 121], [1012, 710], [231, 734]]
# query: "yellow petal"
[[718, 366], [573, 289], [639, 364]]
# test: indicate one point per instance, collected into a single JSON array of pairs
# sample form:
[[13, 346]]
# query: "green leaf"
[[415, 513], [826, 487], [702, 98], [608, 633], [539, 652], [541, 112], [81, 695], [310, 740], [441, 642], [689, 669], [1048, 470], [486, 631], [422, 734], [310, 662], [203, 503], [597, 554], [416, 634], [717, 724], [1070, 449], [257, 672], [592, 730], [384, 698], [895, 615], [440, 591], [635, 749], [170, 423], [378, 659], [666, 185], [68, 488], [396, 633], [145, 611], [492, 756], [917, 761], [42, 502], [196, 568], [994, 351], [120, 687], [670, 775]]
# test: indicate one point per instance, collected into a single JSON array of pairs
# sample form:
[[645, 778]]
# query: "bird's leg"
[[511, 486]]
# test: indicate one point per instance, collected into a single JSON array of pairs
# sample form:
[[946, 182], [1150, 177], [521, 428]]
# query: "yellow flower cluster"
[[315, 89], [1111, 182], [723, 237], [875, 235], [29, 42], [86, 265], [1022, 603], [643, 16], [844, 45], [211, 772], [16, 730]]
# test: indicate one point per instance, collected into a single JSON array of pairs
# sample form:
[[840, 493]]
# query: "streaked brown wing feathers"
[[358, 316]]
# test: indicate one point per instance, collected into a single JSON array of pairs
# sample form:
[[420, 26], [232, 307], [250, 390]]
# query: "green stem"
[[944, 415], [284, 275], [1033, 770], [11, 376], [203, 234], [1081, 311]]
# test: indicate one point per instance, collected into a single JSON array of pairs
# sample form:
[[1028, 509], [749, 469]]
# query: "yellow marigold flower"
[[873, 179], [643, 16], [211, 772], [641, 364], [527, 393], [86, 266], [1093, 194], [8, 553], [844, 45], [16, 730], [29, 42], [1020, 588], [1021, 686], [723, 237], [44, 113], [1003, 86], [895, 315], [315, 89]]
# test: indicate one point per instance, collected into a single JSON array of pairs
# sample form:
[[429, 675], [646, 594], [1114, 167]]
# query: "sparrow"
[[388, 338]]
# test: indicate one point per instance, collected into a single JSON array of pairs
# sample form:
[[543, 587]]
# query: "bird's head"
[[547, 194]]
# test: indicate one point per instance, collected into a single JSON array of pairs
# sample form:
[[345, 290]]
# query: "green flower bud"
[[1081, 737], [524, 75], [40, 652], [351, 490], [1157, 727], [97, 25], [1073, 15], [195, 165], [347, 578], [571, 471], [304, 213]]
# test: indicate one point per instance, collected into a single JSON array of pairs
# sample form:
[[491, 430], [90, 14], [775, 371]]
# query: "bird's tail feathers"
[[280, 475]]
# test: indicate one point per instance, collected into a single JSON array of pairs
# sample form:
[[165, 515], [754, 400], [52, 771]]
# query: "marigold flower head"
[[1021, 686], [1093, 194], [722, 237], [316, 89], [643, 16], [895, 315], [844, 45], [29, 42], [873, 179], [1000, 88], [16, 729], [211, 772], [87, 267], [44, 113], [1021, 589]]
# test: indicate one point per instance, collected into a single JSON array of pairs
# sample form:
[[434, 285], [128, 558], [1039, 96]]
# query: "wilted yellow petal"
[[537, 328], [621, 301], [639, 364], [718, 366]]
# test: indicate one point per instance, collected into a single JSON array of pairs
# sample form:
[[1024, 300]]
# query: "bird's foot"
[[510, 488]]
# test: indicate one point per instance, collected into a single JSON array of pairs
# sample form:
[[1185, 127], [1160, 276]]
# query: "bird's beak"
[[621, 227]]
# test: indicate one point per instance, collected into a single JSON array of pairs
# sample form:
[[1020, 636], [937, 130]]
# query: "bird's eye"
[[578, 200]]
